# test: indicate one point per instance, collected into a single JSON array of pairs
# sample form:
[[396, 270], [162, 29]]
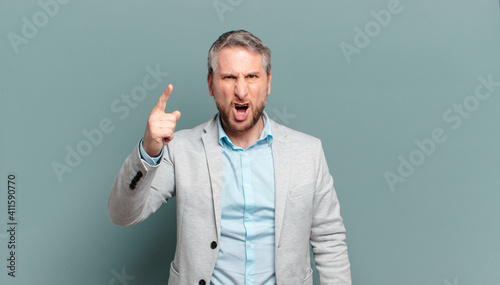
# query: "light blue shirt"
[[246, 245], [246, 253]]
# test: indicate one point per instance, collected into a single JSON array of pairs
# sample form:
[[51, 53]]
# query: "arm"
[[136, 193], [130, 204], [328, 233]]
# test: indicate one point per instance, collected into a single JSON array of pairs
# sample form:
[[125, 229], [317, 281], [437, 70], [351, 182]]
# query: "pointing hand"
[[161, 126]]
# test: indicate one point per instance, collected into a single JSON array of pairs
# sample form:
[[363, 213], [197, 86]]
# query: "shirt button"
[[249, 245], [247, 185], [249, 278], [248, 216]]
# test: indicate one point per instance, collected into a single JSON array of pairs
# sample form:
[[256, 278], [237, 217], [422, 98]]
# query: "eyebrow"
[[255, 72]]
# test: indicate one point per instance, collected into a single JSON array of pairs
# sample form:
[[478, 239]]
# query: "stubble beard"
[[226, 113]]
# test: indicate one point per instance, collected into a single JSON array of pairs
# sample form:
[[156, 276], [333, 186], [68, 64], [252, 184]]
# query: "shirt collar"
[[265, 135]]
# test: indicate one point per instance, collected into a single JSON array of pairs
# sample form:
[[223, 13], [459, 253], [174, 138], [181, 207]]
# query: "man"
[[251, 195]]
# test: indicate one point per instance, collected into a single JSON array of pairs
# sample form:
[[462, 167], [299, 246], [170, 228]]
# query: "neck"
[[246, 138]]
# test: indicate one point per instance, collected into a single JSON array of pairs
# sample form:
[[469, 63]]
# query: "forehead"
[[238, 59]]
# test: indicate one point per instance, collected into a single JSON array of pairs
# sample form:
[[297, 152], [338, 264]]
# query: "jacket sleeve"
[[328, 233], [133, 196]]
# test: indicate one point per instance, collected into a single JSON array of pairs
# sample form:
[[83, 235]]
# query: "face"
[[240, 87]]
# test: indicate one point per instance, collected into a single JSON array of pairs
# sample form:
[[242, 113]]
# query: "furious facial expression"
[[240, 86]]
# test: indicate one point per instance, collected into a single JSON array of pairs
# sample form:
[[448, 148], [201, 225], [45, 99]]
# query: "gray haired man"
[[252, 196]]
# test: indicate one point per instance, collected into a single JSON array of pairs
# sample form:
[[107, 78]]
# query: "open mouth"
[[240, 111], [241, 108]]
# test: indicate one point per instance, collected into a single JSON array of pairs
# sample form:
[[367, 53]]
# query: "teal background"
[[440, 226]]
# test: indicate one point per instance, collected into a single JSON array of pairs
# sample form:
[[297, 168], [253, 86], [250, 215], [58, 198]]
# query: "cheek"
[[222, 100], [219, 93], [225, 90], [261, 92]]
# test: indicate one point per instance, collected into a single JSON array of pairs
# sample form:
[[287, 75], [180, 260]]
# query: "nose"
[[241, 88]]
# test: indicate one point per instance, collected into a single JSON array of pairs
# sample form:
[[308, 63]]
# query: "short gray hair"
[[235, 39]]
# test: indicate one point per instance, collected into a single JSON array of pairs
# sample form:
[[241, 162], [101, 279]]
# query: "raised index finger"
[[162, 101]]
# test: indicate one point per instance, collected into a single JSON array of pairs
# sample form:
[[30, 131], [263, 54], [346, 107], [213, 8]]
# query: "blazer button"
[[202, 282], [137, 177], [213, 245]]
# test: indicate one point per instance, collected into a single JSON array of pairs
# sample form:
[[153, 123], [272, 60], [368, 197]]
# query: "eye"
[[252, 76]]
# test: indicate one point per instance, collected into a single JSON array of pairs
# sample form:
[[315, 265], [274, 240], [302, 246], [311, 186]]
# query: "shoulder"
[[284, 133], [193, 141], [196, 132], [301, 144], [189, 133], [305, 152], [188, 144]]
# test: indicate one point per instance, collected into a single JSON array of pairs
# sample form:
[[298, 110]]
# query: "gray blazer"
[[306, 206]]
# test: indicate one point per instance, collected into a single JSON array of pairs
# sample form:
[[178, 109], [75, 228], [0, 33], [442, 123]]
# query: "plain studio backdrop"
[[403, 94]]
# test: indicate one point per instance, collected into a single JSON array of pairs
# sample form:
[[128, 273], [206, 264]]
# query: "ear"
[[269, 77], [209, 85]]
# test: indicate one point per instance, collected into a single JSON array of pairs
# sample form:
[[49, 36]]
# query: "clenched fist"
[[161, 126]]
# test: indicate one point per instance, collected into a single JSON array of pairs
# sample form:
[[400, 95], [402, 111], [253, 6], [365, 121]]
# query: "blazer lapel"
[[213, 153], [282, 158]]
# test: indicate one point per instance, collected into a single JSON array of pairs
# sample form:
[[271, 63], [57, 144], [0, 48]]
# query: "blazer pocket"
[[174, 277], [302, 190], [308, 279], [173, 270]]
